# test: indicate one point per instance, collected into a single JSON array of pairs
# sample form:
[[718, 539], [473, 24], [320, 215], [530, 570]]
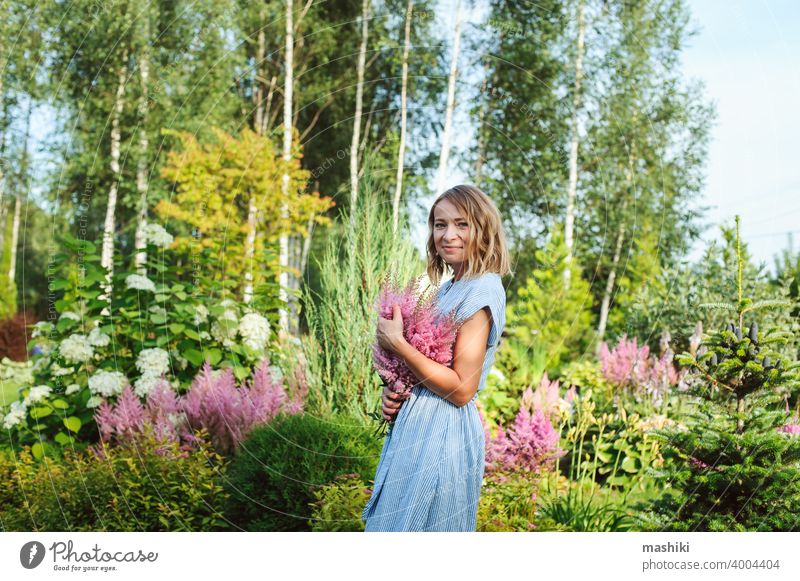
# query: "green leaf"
[[240, 372], [630, 465], [176, 328], [158, 319], [214, 355], [41, 412], [72, 423], [59, 284], [192, 334], [63, 439], [161, 298], [38, 450], [59, 404], [193, 356]]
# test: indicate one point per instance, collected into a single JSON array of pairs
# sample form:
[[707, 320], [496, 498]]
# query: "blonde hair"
[[487, 250]]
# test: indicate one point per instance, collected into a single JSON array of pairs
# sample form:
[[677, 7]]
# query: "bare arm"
[[456, 385]]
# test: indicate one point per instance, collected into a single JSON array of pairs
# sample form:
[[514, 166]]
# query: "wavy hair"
[[487, 250]]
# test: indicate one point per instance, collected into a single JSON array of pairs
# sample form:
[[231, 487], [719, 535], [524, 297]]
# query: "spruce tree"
[[732, 461]]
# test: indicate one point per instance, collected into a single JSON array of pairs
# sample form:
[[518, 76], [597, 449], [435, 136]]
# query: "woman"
[[431, 466]]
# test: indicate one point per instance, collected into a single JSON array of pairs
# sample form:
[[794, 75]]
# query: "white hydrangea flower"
[[157, 235], [70, 315], [153, 361], [76, 348], [200, 314], [107, 383], [255, 331], [72, 388], [139, 282], [94, 401], [15, 415], [224, 334], [98, 339], [59, 371], [205, 335], [145, 384], [37, 394], [156, 310], [42, 329]]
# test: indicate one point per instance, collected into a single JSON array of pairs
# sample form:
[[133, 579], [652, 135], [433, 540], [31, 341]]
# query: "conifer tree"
[[735, 464]]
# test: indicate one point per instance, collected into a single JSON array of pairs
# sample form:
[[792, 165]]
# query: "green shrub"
[[276, 468], [508, 503], [150, 486], [338, 505]]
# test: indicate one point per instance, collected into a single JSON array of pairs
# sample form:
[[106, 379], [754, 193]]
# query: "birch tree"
[[354, 146], [403, 119], [287, 155], [451, 96], [572, 188]]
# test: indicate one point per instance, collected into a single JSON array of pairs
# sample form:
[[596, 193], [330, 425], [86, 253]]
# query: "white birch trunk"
[[287, 156], [107, 256], [569, 222], [258, 125], [605, 304], [403, 113], [142, 165], [362, 58], [451, 99]]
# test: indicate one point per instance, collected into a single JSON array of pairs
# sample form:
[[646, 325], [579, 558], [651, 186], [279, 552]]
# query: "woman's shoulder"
[[489, 282]]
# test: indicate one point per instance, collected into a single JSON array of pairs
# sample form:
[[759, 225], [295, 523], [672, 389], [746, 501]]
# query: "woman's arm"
[[456, 385]]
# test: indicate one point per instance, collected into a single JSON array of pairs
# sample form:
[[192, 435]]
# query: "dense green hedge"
[[278, 467]]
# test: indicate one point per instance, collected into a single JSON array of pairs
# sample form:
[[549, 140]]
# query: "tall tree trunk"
[[482, 124], [107, 256], [362, 58], [605, 304], [23, 190], [142, 165], [451, 98], [569, 222], [403, 95], [287, 156], [259, 98]]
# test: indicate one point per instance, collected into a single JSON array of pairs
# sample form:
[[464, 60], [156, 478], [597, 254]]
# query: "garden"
[[188, 322]]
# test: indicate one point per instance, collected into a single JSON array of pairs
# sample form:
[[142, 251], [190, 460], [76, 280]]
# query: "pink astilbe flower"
[[631, 367], [229, 412], [214, 403], [432, 335], [529, 445], [128, 414]]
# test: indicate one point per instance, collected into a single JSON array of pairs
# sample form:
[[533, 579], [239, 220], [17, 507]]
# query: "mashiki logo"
[[31, 554]]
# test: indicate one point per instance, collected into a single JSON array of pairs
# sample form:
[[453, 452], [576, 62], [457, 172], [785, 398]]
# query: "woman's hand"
[[390, 331], [391, 404]]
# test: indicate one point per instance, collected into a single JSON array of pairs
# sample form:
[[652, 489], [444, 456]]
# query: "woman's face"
[[451, 234]]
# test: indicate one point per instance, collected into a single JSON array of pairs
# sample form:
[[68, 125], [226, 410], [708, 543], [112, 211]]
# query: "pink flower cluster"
[[214, 403], [630, 366], [530, 444], [432, 335], [546, 398]]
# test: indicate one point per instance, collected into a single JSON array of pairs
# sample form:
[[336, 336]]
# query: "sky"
[[747, 54]]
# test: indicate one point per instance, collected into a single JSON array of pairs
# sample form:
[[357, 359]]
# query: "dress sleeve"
[[486, 294]]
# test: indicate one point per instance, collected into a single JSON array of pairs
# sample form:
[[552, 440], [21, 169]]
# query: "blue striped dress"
[[431, 466]]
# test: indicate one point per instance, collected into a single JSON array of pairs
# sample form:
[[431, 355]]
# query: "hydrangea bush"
[[160, 324]]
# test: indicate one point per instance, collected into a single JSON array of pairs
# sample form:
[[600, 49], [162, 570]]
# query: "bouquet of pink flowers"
[[431, 334]]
